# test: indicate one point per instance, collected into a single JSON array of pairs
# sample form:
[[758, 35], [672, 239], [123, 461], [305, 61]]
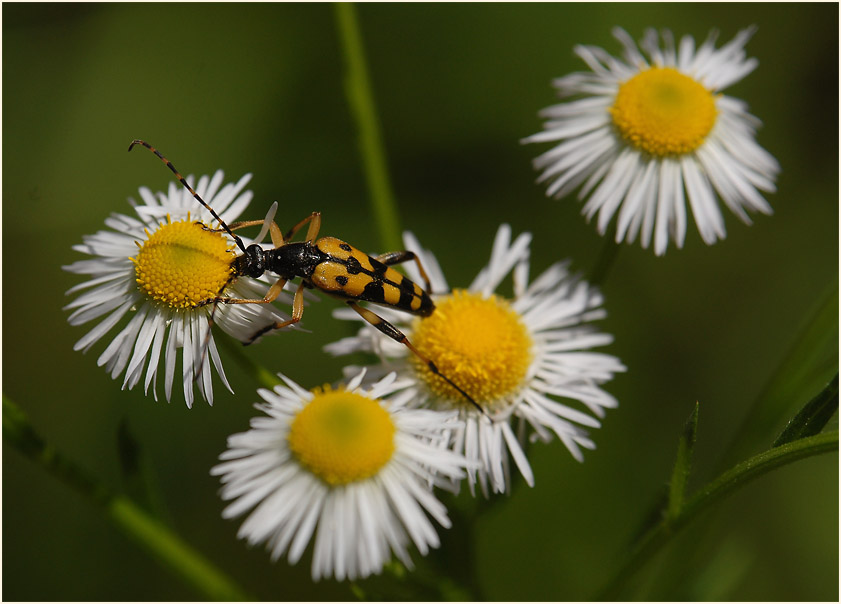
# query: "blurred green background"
[[259, 88]]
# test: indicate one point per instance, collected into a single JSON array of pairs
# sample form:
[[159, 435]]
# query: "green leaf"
[[669, 500], [712, 493], [714, 581], [683, 466], [811, 419], [810, 363]]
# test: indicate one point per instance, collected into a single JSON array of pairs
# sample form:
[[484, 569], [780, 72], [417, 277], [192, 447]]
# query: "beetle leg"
[[391, 258], [297, 313], [315, 225], [271, 296], [268, 224], [395, 334]]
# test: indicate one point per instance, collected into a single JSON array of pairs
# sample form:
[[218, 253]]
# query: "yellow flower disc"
[[479, 343], [183, 263], [663, 112], [342, 436]]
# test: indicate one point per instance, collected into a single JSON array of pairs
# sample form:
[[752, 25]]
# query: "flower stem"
[[361, 100], [711, 493], [166, 547]]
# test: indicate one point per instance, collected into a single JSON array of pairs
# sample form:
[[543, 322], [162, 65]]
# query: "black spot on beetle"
[[373, 292], [379, 268], [407, 286], [407, 294], [341, 280], [353, 266], [345, 247]]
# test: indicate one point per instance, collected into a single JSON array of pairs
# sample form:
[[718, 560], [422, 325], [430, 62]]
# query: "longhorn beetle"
[[329, 265]]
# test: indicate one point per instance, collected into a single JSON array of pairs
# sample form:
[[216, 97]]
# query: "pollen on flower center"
[[342, 436], [183, 263], [663, 112], [479, 343]]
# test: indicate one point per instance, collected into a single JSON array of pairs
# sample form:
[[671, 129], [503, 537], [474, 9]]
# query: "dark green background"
[[259, 88]]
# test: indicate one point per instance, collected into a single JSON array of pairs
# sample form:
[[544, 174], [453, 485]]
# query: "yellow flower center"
[[183, 263], [342, 436], [663, 112], [479, 343]]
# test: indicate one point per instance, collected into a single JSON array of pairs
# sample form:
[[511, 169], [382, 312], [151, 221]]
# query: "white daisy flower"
[[527, 358], [351, 468], [644, 135], [157, 267]]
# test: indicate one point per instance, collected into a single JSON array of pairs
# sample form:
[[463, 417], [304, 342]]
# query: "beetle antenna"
[[187, 186]]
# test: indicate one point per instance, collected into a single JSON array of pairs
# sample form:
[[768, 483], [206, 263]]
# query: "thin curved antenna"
[[187, 186]]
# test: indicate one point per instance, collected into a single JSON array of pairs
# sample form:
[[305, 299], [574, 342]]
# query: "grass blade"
[[364, 112], [811, 362], [164, 546]]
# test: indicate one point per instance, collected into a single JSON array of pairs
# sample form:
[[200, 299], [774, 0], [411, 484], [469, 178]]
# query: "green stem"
[[361, 100], [711, 493], [756, 466], [173, 553], [167, 548]]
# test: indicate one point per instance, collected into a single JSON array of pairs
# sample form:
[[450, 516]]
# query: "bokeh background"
[[259, 88]]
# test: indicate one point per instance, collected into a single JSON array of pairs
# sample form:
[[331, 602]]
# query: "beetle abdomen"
[[347, 272]]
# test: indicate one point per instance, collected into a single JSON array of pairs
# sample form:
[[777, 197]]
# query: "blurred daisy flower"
[[157, 268], [644, 135], [351, 469], [525, 359]]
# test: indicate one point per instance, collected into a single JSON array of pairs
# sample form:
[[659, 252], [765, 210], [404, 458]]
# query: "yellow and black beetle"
[[329, 265]]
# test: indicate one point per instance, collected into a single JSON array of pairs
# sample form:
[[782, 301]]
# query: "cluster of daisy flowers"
[[352, 468], [523, 359]]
